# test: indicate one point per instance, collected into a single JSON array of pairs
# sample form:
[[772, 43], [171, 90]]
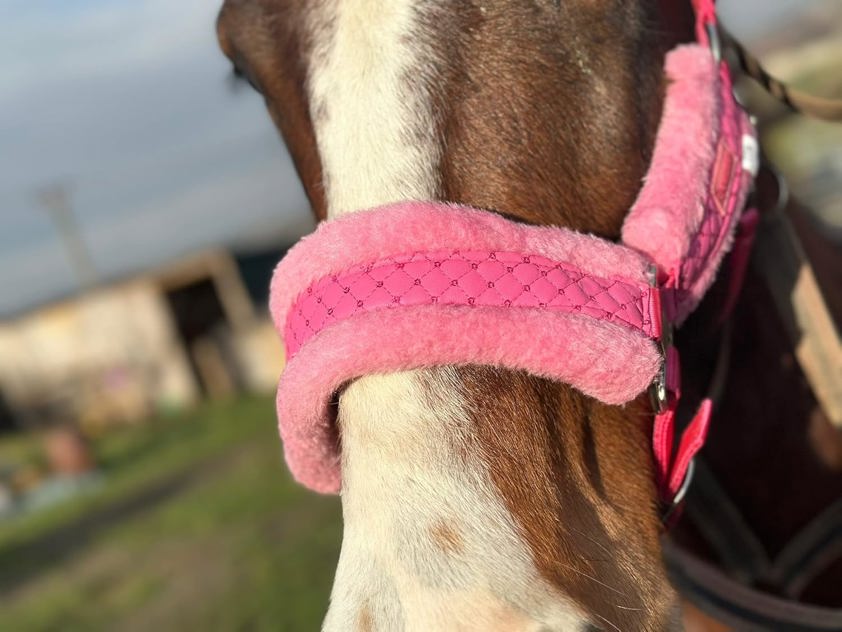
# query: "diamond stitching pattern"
[[466, 278], [720, 205]]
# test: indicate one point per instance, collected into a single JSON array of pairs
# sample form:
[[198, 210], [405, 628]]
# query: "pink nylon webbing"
[[705, 14]]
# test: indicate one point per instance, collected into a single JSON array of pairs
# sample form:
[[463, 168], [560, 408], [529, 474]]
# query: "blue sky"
[[127, 102]]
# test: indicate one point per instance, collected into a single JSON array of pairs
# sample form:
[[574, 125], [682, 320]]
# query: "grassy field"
[[196, 527]]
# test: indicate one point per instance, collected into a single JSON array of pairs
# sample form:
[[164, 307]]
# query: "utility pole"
[[67, 452], [56, 200]]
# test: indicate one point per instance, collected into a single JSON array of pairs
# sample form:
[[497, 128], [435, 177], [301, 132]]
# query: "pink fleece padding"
[[727, 193], [407, 227], [670, 205], [605, 361], [698, 151]]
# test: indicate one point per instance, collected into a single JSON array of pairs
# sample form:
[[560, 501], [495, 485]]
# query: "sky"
[[128, 104]]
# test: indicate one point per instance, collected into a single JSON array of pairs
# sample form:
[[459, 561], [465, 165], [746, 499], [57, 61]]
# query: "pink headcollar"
[[419, 284]]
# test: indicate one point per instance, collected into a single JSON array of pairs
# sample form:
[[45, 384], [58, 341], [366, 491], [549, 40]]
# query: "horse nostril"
[[239, 76]]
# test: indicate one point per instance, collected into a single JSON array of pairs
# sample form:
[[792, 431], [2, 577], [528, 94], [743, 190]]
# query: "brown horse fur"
[[544, 111]]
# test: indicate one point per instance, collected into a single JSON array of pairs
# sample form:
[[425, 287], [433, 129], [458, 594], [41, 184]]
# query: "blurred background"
[[144, 199]]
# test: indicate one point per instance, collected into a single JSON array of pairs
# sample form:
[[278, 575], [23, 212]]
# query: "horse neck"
[[477, 497]]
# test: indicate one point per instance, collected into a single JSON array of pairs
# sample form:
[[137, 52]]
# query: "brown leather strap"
[[811, 551], [781, 261], [722, 525], [811, 105], [740, 553], [739, 606]]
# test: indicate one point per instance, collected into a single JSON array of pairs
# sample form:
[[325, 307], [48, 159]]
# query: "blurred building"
[[153, 342]]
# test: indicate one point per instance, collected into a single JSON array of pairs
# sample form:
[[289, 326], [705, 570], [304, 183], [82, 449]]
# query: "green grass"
[[198, 527]]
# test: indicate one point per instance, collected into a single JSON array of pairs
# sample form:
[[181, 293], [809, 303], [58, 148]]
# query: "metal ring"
[[780, 182], [783, 190], [685, 484]]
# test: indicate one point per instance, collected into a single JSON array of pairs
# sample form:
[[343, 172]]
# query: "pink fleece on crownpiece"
[[686, 211], [471, 278], [420, 284]]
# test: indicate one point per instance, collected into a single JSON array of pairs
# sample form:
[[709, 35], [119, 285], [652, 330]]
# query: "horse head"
[[477, 497]]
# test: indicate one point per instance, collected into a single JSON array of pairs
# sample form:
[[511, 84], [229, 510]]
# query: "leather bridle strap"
[[718, 519], [721, 523], [781, 261], [798, 101], [711, 32], [739, 606]]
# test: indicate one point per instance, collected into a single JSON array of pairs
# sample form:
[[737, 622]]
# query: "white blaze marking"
[[373, 123], [404, 467]]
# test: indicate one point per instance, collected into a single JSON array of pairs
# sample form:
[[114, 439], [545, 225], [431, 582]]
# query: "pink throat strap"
[[420, 284]]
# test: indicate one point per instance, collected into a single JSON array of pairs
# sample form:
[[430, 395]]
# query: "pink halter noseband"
[[420, 284]]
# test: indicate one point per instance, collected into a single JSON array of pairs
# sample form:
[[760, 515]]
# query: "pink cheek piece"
[[421, 284]]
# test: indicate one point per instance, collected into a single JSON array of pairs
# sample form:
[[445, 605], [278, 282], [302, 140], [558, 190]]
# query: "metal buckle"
[[658, 389], [670, 512], [781, 188], [685, 484], [713, 40]]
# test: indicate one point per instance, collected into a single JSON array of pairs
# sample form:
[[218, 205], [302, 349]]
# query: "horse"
[[481, 497]]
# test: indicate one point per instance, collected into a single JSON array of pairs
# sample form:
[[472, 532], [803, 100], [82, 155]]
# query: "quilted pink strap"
[[724, 202], [470, 278]]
